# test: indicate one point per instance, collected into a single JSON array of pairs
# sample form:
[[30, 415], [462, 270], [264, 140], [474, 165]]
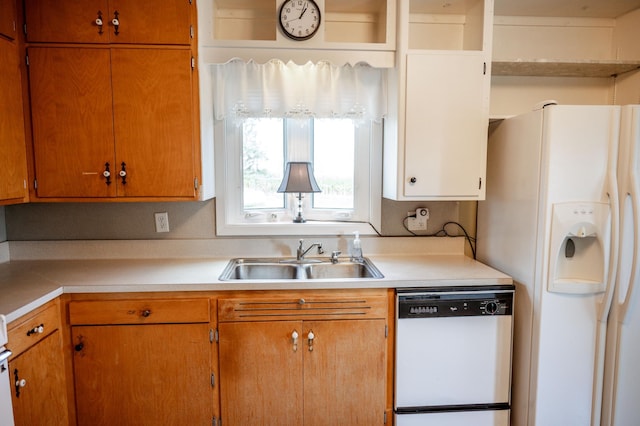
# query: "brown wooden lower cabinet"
[[143, 362], [313, 364], [40, 398]]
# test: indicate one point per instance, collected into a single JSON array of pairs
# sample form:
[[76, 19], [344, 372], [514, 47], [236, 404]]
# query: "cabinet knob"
[[123, 172], [19, 383], [36, 330], [107, 173], [116, 22], [99, 21], [310, 338], [294, 339], [412, 180], [146, 313]]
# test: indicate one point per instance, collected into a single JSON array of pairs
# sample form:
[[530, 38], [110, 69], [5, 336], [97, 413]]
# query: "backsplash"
[[3, 228], [187, 220]]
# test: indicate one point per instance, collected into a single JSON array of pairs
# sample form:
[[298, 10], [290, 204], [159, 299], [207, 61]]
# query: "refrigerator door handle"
[[605, 305], [633, 277]]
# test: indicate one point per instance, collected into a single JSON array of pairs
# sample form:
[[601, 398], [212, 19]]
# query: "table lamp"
[[298, 177]]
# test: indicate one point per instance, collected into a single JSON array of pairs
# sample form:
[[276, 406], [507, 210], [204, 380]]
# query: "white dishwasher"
[[453, 356]]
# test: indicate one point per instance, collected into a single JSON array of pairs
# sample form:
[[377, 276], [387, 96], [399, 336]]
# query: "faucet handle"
[[334, 256]]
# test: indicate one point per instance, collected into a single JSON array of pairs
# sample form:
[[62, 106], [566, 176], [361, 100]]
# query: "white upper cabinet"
[[349, 32], [436, 139]]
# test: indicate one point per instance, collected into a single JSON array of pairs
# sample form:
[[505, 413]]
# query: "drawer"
[[304, 306], [31, 328], [157, 311]]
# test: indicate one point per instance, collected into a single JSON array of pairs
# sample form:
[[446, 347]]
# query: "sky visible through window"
[[264, 156]]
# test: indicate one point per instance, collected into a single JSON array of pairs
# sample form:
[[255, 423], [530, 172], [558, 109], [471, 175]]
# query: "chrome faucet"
[[301, 252]]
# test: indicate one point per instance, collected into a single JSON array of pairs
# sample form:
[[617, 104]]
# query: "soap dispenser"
[[356, 247]]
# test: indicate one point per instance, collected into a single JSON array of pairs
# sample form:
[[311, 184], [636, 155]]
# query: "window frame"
[[230, 216]]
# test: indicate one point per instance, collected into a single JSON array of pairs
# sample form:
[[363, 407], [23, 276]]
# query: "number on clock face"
[[299, 19]]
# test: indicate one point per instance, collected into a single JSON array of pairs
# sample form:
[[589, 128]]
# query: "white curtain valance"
[[278, 89]]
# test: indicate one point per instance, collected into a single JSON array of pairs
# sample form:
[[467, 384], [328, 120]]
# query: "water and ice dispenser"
[[579, 252]]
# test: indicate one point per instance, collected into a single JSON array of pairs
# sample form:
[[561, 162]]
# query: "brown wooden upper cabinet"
[[13, 173], [8, 24], [112, 122], [113, 99], [109, 21]]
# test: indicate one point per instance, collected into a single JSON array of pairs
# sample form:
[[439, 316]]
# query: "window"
[[253, 145]]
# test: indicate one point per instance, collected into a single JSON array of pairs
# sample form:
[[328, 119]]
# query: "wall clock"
[[299, 19]]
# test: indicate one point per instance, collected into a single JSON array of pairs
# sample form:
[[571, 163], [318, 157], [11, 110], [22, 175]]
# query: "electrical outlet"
[[162, 222], [418, 221]]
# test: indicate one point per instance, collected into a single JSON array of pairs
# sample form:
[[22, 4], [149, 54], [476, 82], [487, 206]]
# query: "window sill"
[[307, 228]]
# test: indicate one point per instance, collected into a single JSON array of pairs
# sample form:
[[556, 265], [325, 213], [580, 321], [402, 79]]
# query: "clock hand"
[[303, 10]]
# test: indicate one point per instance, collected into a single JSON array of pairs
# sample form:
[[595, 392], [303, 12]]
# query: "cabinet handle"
[[107, 173], [99, 22], [310, 338], [36, 330], [123, 172], [146, 313], [116, 22], [19, 383], [294, 339]]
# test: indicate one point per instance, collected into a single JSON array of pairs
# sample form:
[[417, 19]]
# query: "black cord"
[[444, 233], [350, 221]]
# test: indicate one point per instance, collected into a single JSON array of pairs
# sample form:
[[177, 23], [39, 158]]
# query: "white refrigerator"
[[621, 394], [550, 220]]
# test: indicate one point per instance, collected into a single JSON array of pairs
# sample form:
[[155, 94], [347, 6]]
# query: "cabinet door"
[[142, 22], [156, 374], [261, 373], [446, 125], [13, 172], [8, 19], [72, 119], [152, 22], [153, 118], [43, 398], [71, 21], [345, 373]]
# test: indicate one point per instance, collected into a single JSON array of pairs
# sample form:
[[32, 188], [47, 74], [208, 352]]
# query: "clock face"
[[299, 19]]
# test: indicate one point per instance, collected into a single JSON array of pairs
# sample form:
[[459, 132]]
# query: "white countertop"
[[27, 284]]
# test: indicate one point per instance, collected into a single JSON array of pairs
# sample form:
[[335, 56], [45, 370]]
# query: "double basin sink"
[[292, 269]]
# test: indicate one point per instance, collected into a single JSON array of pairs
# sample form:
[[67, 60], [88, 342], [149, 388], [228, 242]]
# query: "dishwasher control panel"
[[426, 304]]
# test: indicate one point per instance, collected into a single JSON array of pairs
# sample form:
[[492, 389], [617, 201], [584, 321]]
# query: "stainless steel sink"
[[291, 269]]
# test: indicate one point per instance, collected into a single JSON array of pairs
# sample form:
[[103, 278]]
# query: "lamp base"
[[299, 218]]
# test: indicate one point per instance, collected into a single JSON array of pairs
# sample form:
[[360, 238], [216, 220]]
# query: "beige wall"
[[3, 229], [187, 220]]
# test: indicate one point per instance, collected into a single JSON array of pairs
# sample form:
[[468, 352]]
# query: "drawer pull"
[[36, 330], [146, 313]]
